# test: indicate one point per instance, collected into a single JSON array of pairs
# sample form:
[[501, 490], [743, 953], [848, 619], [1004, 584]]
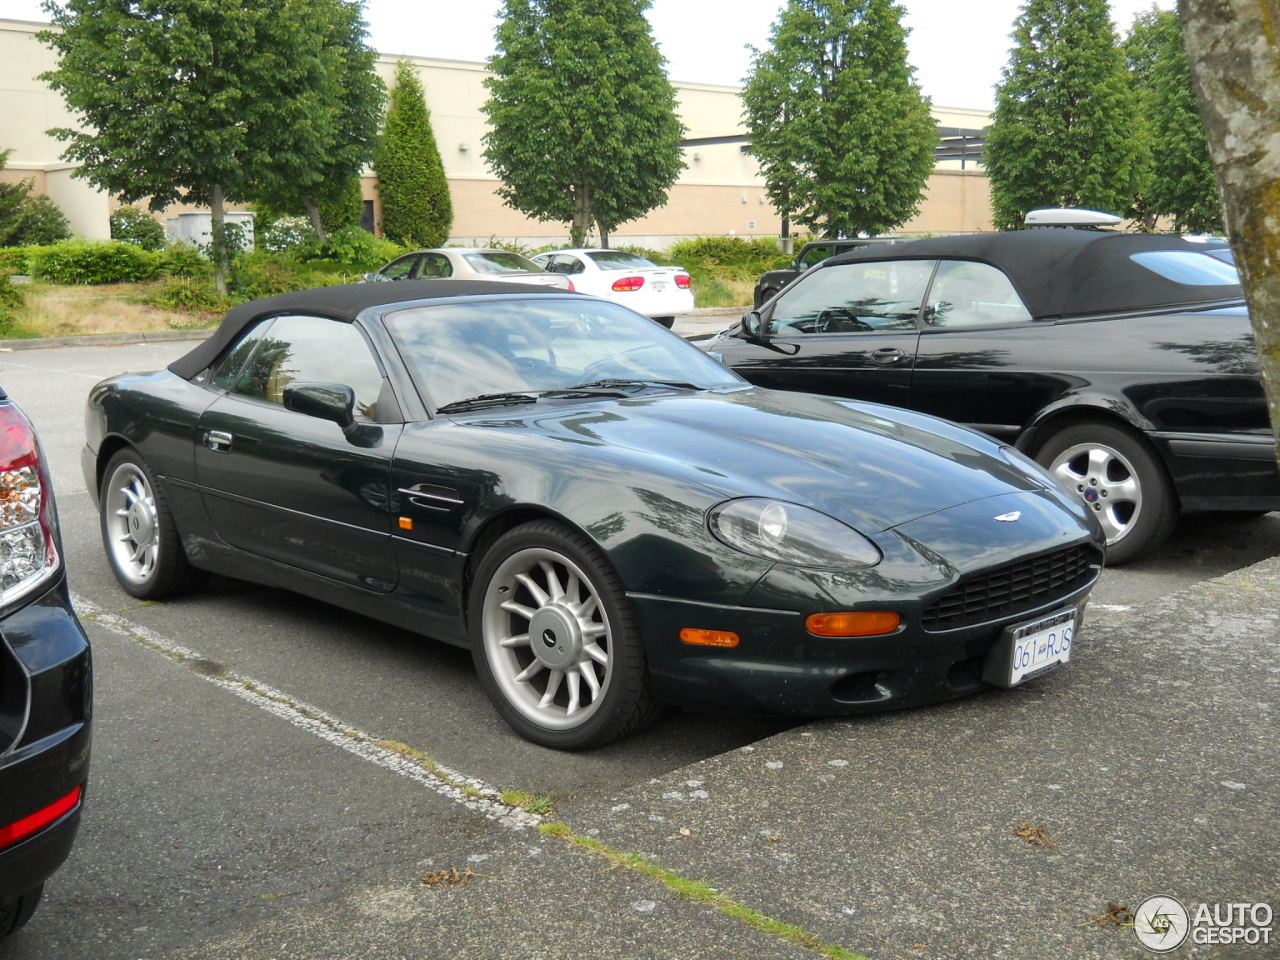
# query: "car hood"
[[871, 466]]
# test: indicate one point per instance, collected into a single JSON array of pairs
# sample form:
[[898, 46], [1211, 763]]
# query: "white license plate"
[[1040, 645], [659, 285]]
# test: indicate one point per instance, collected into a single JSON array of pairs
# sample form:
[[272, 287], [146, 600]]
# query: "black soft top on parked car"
[[344, 302], [1065, 273]]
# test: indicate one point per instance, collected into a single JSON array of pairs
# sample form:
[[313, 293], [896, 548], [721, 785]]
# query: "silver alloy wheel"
[[131, 524], [1106, 481], [547, 638]]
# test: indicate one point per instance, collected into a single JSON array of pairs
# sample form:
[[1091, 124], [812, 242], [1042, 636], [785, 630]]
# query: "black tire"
[[570, 633], [1120, 477], [158, 567], [667, 322], [15, 914]]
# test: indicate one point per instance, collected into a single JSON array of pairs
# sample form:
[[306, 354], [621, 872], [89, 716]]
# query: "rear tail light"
[[683, 281], [14, 832], [628, 284], [28, 544], [572, 288]]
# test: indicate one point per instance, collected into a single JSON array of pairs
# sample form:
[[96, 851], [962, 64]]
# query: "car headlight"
[[789, 533]]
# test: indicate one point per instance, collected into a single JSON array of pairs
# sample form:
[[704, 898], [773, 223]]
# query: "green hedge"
[[85, 262], [13, 260]]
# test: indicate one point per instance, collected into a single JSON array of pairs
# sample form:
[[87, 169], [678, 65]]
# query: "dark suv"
[[46, 680], [810, 254]]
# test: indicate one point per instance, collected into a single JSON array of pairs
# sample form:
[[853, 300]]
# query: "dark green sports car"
[[607, 517]]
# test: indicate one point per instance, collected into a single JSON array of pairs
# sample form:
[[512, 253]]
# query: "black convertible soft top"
[[344, 302], [1065, 272]]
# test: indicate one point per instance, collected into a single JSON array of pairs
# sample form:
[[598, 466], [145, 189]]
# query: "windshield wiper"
[[639, 382], [487, 400]]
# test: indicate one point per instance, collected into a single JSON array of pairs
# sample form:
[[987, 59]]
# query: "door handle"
[[218, 441], [886, 355]]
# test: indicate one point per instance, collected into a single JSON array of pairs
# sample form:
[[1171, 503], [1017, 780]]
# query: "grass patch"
[[700, 893], [57, 310], [525, 800]]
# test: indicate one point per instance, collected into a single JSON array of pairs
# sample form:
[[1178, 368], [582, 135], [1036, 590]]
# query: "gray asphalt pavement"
[[286, 813]]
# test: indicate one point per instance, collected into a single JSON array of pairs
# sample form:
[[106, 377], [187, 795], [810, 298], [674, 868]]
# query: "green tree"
[[134, 225], [1062, 133], [1141, 50], [40, 222], [1183, 183], [837, 121], [12, 197], [582, 116], [194, 100], [329, 193], [417, 209]]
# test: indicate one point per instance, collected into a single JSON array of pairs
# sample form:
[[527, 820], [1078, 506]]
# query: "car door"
[[983, 360], [846, 330], [291, 487]]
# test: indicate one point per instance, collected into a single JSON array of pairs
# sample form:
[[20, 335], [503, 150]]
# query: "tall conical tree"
[[836, 118], [583, 120], [417, 209], [1062, 134]]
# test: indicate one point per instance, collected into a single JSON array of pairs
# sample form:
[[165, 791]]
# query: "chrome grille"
[[1022, 585]]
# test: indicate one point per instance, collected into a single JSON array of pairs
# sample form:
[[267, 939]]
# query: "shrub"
[[285, 233], [189, 295], [183, 260], [352, 248], [756, 254], [78, 261], [13, 260], [134, 225], [265, 274], [40, 222], [11, 301]]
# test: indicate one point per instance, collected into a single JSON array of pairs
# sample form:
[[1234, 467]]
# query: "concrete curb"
[[105, 339]]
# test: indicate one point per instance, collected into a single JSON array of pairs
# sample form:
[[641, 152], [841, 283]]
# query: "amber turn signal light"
[[863, 623], [406, 523], [709, 638]]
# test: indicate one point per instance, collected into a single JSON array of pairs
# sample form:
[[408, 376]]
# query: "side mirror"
[[753, 326], [327, 401]]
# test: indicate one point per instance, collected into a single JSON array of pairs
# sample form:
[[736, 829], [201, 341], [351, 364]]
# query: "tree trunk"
[[1234, 54], [218, 233], [604, 236], [317, 225], [581, 216]]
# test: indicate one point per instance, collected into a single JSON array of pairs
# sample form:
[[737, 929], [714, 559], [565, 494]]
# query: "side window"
[[815, 254], [311, 349], [967, 294], [434, 266], [859, 297], [224, 372], [570, 264], [401, 269]]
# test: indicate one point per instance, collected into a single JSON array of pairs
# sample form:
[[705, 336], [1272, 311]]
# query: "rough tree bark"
[[1234, 50]]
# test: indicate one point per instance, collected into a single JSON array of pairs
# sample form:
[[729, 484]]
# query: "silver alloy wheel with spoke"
[[547, 638], [1107, 482], [131, 523]]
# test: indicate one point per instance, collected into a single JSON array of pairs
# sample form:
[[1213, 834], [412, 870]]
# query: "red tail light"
[[28, 554], [683, 281], [628, 284], [572, 288], [14, 832]]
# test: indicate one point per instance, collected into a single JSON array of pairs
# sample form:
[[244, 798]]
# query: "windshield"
[[498, 261], [618, 259], [455, 351]]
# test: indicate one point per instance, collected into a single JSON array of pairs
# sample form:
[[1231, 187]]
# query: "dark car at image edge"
[[45, 680], [1124, 363]]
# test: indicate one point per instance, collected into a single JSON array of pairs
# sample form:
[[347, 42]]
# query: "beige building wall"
[[720, 192]]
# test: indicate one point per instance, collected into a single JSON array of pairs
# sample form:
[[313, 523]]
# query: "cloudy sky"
[[956, 48]]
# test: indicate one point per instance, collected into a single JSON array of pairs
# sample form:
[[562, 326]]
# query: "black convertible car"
[[1124, 363], [607, 517]]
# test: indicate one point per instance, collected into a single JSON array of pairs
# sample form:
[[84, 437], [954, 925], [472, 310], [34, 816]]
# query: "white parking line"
[[471, 793]]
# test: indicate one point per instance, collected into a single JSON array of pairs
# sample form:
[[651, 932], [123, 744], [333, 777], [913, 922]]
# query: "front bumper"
[[45, 719], [781, 668]]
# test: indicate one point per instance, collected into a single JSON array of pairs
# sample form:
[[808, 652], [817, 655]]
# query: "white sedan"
[[662, 293], [469, 263]]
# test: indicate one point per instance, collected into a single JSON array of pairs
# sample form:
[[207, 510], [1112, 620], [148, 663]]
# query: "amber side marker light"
[[406, 523], [709, 638], [863, 623]]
